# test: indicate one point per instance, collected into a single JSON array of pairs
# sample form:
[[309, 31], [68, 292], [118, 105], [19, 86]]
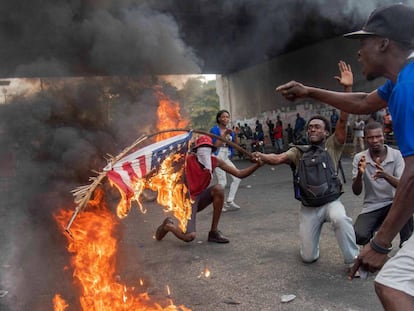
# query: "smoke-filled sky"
[[74, 37], [51, 139]]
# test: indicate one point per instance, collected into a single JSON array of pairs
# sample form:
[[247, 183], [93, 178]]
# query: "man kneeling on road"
[[320, 192], [199, 170]]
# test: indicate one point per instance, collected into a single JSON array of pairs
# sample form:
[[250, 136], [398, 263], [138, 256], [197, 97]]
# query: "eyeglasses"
[[314, 127]]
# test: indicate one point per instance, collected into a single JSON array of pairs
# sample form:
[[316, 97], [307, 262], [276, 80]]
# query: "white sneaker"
[[230, 207]]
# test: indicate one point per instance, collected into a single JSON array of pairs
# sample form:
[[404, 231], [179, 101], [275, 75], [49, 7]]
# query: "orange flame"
[[59, 303], [169, 116], [172, 190], [205, 273], [124, 206], [168, 182], [93, 250]]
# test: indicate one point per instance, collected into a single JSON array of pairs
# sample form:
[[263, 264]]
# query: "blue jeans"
[[311, 221]]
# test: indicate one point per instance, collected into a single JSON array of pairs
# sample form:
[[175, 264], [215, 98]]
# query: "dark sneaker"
[[161, 231], [217, 237]]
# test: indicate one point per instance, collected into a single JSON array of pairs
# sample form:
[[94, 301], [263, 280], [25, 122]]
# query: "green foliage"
[[200, 101]]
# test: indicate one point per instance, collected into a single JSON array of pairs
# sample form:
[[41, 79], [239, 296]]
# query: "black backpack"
[[316, 180]]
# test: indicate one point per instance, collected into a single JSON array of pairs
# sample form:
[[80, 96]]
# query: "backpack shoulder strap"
[[303, 148]]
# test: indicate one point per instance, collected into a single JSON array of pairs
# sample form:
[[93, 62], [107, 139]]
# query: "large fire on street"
[[93, 246]]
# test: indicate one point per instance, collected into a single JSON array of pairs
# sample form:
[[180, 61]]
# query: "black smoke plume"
[[52, 138]]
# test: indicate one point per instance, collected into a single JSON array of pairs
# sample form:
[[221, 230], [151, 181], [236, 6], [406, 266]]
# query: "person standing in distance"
[[225, 153], [334, 120], [386, 50], [358, 129]]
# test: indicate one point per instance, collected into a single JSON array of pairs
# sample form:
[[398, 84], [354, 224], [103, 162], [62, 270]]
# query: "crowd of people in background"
[[276, 138]]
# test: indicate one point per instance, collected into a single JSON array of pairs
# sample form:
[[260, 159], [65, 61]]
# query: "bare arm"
[[240, 173], [380, 173], [357, 182], [346, 79], [272, 158], [402, 208], [357, 103]]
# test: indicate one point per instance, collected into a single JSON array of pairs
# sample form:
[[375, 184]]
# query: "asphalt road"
[[253, 272]]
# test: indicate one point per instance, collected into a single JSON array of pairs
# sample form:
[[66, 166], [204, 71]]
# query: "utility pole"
[[4, 83]]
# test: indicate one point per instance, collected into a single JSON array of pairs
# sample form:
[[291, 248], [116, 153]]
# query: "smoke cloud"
[[50, 141], [134, 37], [63, 38], [52, 137]]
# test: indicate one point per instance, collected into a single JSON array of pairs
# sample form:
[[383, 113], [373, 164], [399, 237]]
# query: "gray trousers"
[[311, 221]]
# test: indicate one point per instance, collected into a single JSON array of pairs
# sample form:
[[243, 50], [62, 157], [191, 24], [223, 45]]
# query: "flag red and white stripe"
[[143, 161]]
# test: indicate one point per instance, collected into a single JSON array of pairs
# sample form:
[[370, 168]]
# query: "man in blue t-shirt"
[[386, 50], [299, 130], [334, 120]]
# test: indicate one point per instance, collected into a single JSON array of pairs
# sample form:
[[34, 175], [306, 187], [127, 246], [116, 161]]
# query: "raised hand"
[[362, 164], [379, 172], [346, 78]]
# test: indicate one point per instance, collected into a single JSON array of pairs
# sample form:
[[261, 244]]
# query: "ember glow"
[[206, 273], [93, 248]]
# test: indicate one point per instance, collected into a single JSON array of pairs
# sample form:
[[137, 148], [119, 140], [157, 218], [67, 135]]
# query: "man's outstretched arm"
[[356, 103]]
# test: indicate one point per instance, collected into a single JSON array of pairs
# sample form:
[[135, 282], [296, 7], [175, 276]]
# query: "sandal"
[[161, 232]]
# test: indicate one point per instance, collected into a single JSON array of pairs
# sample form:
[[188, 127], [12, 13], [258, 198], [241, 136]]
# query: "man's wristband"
[[379, 248]]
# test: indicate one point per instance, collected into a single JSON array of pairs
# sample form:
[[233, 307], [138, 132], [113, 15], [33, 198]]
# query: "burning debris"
[[93, 248], [51, 139], [100, 291]]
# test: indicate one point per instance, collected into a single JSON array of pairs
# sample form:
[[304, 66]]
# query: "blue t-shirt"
[[216, 130], [334, 119], [400, 98]]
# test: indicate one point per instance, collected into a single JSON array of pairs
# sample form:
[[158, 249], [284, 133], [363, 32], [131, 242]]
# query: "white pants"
[[223, 154], [311, 221], [398, 272]]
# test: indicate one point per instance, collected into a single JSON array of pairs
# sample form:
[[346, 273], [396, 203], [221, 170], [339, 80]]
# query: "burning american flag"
[[139, 164], [159, 167]]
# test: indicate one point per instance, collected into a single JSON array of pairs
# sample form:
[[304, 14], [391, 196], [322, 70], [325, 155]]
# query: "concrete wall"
[[249, 94]]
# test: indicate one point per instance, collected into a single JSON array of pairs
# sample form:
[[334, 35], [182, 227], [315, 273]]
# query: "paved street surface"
[[251, 273]]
